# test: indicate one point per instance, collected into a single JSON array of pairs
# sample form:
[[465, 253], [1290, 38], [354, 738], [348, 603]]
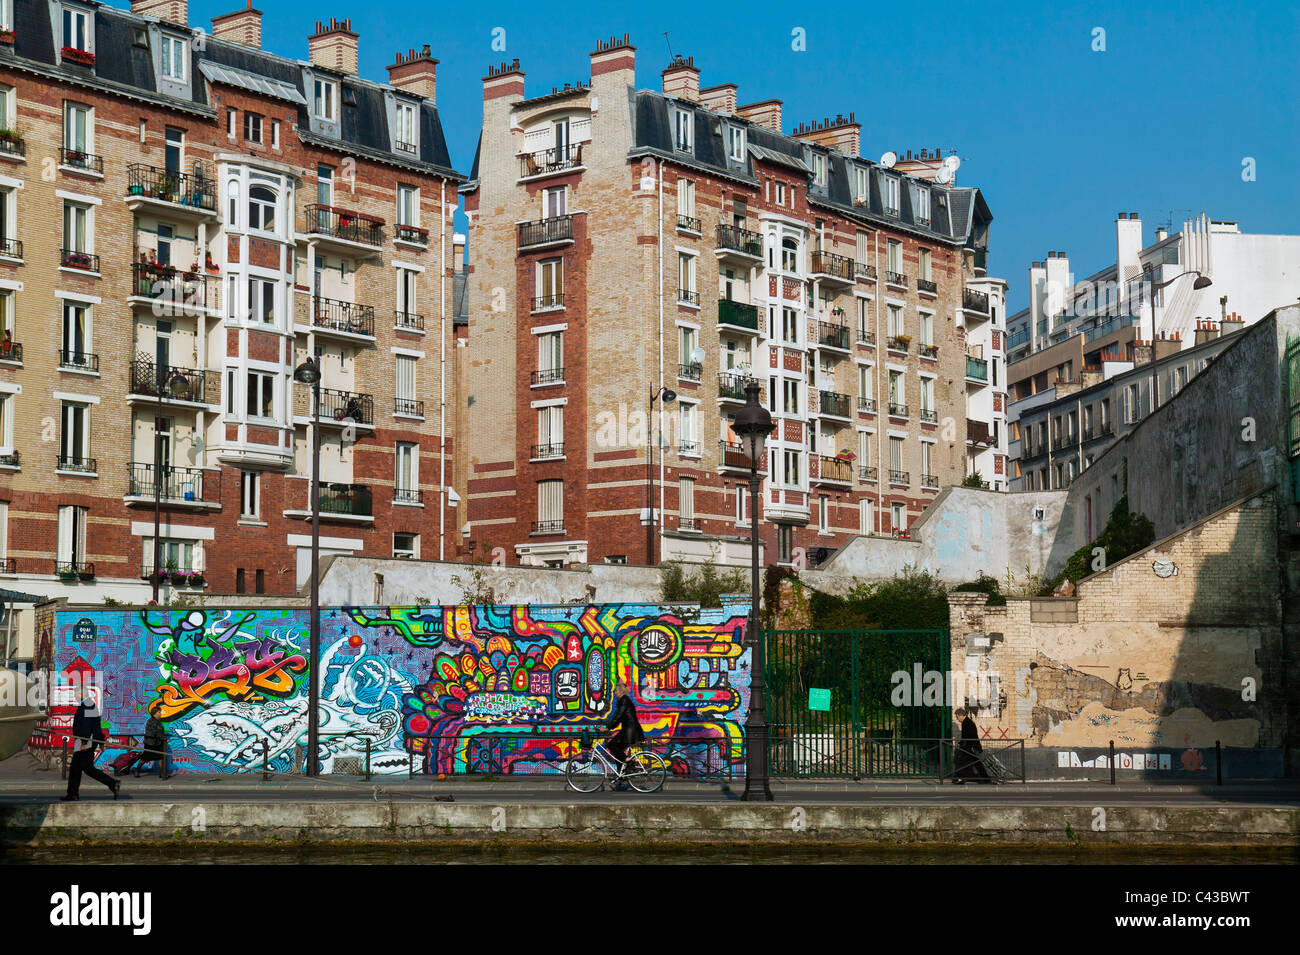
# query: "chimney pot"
[[242, 26]]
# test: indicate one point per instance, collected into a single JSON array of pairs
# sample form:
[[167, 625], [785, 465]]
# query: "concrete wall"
[[1165, 652], [965, 531]]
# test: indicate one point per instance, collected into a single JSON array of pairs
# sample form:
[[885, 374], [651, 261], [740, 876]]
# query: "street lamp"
[[753, 425], [1202, 281], [309, 374], [668, 396], [175, 386]]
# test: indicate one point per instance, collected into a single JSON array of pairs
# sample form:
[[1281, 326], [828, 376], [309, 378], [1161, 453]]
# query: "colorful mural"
[[504, 689]]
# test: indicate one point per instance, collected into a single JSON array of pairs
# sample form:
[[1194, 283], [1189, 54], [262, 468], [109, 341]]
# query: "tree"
[[704, 587], [1125, 533], [974, 480]]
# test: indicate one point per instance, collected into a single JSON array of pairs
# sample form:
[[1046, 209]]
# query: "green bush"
[[1125, 533], [974, 480], [984, 584], [704, 586], [912, 600]]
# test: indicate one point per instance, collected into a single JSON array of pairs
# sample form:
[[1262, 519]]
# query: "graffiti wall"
[[506, 689]]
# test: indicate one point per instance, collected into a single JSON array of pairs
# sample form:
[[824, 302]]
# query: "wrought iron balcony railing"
[[866, 337], [833, 403], [11, 248], [197, 190], [929, 416], [867, 474], [897, 409], [865, 271], [899, 477], [342, 405], [687, 296], [689, 223], [74, 569], [867, 405], [11, 460], [548, 376], [732, 386], [896, 278], [343, 224], [76, 259], [172, 483], [410, 233], [178, 289], [11, 145], [78, 360], [546, 527], [691, 371], [737, 314], [736, 239], [69, 462], [925, 285], [542, 452], [11, 351], [176, 384], [828, 263], [339, 316], [548, 301], [408, 495], [545, 231], [831, 335], [929, 480], [975, 300], [80, 159], [556, 159], [409, 321], [409, 406]]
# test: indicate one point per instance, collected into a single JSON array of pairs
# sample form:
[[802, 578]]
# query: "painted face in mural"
[[567, 684]]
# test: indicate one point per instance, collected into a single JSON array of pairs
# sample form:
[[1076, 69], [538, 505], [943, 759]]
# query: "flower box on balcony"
[[84, 57], [86, 574], [67, 575], [7, 37]]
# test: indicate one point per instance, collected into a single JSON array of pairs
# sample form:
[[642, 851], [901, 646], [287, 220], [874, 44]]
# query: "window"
[[324, 184], [406, 546], [261, 301], [686, 340], [173, 58], [406, 127], [894, 256], [927, 330], [550, 357], [260, 396], [252, 127], [686, 277], [791, 388], [250, 493], [72, 535], [173, 149], [792, 473], [550, 431], [555, 202], [819, 169], [683, 129], [824, 514], [740, 504], [75, 344], [927, 461], [74, 442], [241, 585], [408, 205], [897, 389], [406, 300], [231, 402], [686, 502], [261, 209], [866, 516], [406, 477], [8, 220], [76, 28], [550, 283], [259, 578], [866, 386], [404, 386], [736, 143], [780, 193], [76, 227], [862, 248], [922, 211], [688, 428], [325, 100], [231, 126], [685, 198], [8, 105], [896, 452], [550, 505], [275, 134], [790, 254], [784, 543], [890, 195], [866, 447], [926, 265], [898, 516], [895, 321], [789, 326], [77, 127], [861, 186]]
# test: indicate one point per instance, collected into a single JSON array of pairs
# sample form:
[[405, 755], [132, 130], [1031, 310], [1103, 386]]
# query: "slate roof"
[[125, 68]]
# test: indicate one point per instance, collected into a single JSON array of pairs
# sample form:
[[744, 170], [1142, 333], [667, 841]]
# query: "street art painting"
[[468, 689]]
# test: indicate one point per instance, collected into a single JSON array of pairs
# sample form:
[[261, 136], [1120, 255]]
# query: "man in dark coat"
[[969, 763], [88, 736], [629, 728]]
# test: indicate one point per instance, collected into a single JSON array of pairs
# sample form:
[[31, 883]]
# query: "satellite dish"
[[697, 355], [952, 163], [943, 176], [888, 160]]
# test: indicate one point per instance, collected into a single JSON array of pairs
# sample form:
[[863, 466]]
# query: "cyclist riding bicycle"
[[629, 729]]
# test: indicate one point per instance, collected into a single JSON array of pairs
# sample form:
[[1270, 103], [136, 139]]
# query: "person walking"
[[970, 765], [88, 733], [629, 728], [155, 749]]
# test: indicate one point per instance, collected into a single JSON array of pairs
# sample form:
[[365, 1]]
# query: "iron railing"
[[181, 288], [546, 527], [186, 189], [865, 271], [691, 448], [688, 524], [408, 495], [353, 499], [69, 569], [8, 565], [867, 474], [925, 285], [11, 351], [898, 409], [344, 224], [11, 248], [545, 231], [80, 159], [76, 259], [691, 371], [68, 462], [413, 407], [172, 483], [11, 146], [833, 335], [736, 239], [975, 300], [900, 477], [732, 386], [689, 223], [548, 301], [410, 321], [737, 314], [147, 377], [929, 480], [896, 278], [342, 405], [899, 343], [867, 405], [866, 337], [687, 296], [929, 351], [556, 159], [542, 452], [833, 403], [340, 316], [929, 416], [78, 360], [828, 263], [548, 376], [11, 460], [410, 233]]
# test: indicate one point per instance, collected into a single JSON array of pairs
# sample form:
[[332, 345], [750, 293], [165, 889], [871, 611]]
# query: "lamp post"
[[753, 425], [175, 386], [668, 396], [309, 374], [1202, 281]]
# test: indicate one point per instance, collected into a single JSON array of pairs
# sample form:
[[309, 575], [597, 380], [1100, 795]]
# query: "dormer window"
[[683, 130], [819, 169], [889, 190], [325, 101], [76, 29], [922, 211], [173, 58], [861, 186], [736, 143], [405, 134]]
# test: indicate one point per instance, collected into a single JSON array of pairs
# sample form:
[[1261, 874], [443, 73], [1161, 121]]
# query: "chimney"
[[1056, 286], [720, 99], [415, 73], [170, 11], [1233, 323], [682, 79], [842, 135], [242, 26], [1128, 246], [504, 80], [1166, 347], [458, 251], [334, 46], [766, 114], [1161, 234], [1206, 331], [614, 56]]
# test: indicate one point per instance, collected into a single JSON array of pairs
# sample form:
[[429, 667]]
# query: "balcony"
[[738, 315], [688, 223], [545, 303], [929, 480], [178, 384], [831, 335], [832, 269], [342, 229], [548, 376], [548, 162], [833, 404], [866, 405], [977, 369], [691, 524], [929, 416], [11, 145], [925, 285], [866, 272], [930, 352], [74, 569], [739, 245], [175, 194], [545, 232], [81, 161], [347, 500], [78, 260], [868, 474], [829, 470], [542, 528], [340, 408], [975, 301], [11, 352], [8, 565], [897, 279], [686, 296], [171, 291], [11, 460], [408, 321], [901, 478], [1019, 338], [408, 495], [689, 449], [175, 486], [900, 343], [347, 319], [79, 465], [897, 410], [547, 452], [732, 456], [866, 338], [81, 361], [408, 407], [978, 433], [11, 248], [692, 371], [410, 234], [731, 387]]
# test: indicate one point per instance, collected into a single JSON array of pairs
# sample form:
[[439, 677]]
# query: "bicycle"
[[589, 770]]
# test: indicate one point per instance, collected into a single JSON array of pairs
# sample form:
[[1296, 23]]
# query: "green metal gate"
[[877, 723]]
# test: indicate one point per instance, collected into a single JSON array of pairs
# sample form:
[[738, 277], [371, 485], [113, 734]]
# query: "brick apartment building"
[[624, 241], [216, 214]]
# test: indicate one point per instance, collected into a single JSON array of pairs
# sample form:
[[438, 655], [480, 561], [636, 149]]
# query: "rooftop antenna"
[[1169, 219], [671, 58]]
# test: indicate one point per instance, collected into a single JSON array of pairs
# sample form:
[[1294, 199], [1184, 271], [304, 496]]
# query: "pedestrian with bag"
[[88, 734], [970, 762]]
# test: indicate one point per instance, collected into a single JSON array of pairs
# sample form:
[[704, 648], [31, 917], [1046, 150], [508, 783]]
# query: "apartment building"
[[984, 315], [184, 219], [638, 257]]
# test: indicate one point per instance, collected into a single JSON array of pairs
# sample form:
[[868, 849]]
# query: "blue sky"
[[1058, 136]]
